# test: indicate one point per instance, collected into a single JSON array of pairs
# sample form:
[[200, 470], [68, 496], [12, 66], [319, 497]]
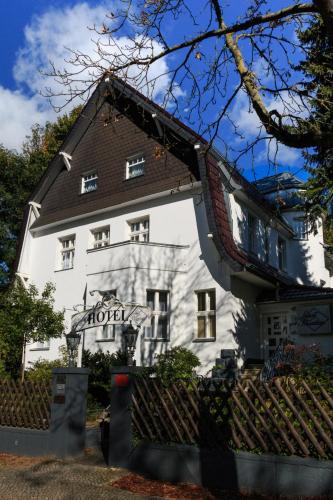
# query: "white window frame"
[[252, 233], [151, 333], [140, 234], [300, 227], [132, 162], [68, 250], [45, 345], [282, 253], [206, 314], [104, 241], [267, 233], [91, 176], [107, 333]]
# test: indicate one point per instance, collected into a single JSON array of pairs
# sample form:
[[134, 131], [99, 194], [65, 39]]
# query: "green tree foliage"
[[26, 316], [318, 71], [176, 363], [20, 173]]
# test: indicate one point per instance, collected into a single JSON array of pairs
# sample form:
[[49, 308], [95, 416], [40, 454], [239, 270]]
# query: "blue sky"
[[32, 32]]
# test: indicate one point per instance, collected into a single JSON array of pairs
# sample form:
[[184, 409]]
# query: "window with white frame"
[[300, 227], [139, 229], [206, 314], [108, 332], [266, 243], [282, 254], [67, 251], [42, 345], [158, 301], [101, 237], [252, 233], [89, 182], [135, 166]]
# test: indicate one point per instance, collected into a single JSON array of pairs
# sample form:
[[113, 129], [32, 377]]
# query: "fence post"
[[120, 430], [68, 411]]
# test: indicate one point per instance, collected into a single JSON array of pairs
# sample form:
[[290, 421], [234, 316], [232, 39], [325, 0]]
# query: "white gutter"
[[137, 201]]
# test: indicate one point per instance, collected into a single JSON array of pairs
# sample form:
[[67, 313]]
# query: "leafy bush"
[[41, 370], [100, 364], [176, 363]]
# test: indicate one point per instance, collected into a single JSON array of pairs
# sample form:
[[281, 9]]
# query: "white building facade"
[[134, 204]]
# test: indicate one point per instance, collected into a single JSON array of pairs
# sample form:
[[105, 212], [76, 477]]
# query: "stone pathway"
[[64, 480]]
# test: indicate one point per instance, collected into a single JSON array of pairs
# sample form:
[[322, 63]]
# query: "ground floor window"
[[108, 332], [158, 301], [206, 314]]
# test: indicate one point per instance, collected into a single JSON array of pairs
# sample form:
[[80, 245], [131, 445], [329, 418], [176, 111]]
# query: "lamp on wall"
[[73, 342], [130, 336]]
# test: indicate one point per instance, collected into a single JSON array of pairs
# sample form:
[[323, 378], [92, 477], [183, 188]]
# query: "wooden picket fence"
[[25, 404], [285, 417]]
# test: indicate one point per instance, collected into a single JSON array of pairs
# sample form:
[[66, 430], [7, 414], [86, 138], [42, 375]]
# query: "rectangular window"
[[158, 301], [135, 166], [67, 252], [300, 227], [282, 254], [108, 332], [42, 345], [139, 229], [266, 243], [89, 183], [252, 233], [101, 237], [206, 314]]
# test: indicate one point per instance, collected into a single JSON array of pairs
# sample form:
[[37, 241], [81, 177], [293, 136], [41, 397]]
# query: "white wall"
[[131, 268]]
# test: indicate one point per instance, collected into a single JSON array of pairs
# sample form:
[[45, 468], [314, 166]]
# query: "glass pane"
[[149, 329], [162, 327], [211, 326], [201, 327], [163, 301], [212, 302], [150, 299], [201, 301]]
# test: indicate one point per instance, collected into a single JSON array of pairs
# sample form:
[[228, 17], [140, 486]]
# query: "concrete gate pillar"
[[68, 411]]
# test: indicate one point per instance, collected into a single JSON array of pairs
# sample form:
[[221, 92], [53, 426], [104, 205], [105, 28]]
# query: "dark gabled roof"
[[296, 293], [210, 174]]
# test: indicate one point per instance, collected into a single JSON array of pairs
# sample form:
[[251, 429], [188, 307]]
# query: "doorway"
[[275, 332]]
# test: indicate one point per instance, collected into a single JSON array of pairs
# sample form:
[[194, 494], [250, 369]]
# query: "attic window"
[[135, 166], [89, 182]]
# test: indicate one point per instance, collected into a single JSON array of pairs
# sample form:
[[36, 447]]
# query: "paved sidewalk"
[[65, 480]]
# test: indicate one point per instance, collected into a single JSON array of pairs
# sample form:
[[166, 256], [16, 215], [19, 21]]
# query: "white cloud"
[[18, 113], [250, 127], [47, 39]]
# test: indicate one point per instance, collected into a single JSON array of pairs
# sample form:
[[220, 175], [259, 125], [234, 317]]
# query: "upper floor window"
[[135, 166], [282, 254], [139, 229], [266, 243], [252, 233], [158, 301], [67, 251], [101, 237], [300, 227], [89, 182], [206, 314]]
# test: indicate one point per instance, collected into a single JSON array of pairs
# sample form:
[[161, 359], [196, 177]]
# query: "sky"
[[35, 32]]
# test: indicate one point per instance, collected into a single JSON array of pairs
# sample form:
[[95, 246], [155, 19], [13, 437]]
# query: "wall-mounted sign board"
[[312, 320]]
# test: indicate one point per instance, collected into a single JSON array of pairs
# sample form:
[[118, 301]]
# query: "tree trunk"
[[325, 8]]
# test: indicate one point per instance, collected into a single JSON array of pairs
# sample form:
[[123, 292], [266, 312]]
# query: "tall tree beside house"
[[318, 70], [20, 173], [25, 316]]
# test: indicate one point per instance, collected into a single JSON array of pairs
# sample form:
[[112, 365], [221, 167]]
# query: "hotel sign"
[[312, 320], [111, 312]]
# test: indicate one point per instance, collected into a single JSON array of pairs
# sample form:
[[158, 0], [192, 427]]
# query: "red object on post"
[[121, 380]]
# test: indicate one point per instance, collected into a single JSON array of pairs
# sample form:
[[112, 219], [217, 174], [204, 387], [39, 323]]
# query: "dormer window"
[[89, 182], [135, 166]]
